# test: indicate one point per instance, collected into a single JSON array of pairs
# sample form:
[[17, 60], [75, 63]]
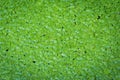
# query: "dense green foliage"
[[59, 39]]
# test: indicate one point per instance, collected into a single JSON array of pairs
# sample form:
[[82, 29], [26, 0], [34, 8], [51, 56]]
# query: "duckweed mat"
[[59, 39]]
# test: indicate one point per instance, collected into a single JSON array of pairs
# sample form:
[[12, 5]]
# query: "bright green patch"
[[59, 40]]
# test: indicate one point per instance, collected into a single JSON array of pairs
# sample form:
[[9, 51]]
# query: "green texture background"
[[59, 39]]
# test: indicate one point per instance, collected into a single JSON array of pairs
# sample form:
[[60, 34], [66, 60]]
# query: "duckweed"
[[59, 40]]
